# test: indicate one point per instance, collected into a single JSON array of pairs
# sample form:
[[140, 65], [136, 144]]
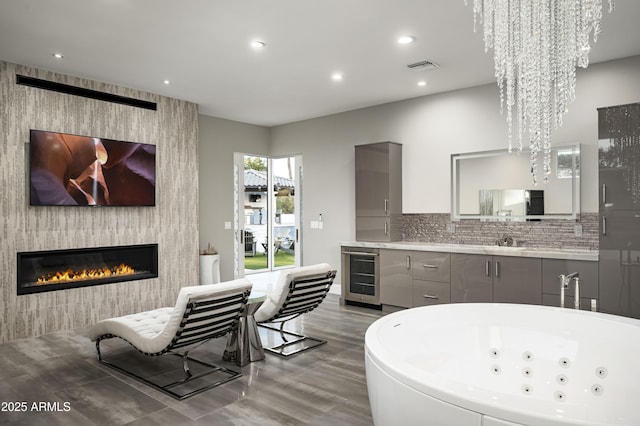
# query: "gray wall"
[[173, 223], [431, 128], [219, 139]]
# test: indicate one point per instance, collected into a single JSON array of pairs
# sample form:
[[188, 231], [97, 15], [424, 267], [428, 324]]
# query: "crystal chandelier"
[[537, 46]]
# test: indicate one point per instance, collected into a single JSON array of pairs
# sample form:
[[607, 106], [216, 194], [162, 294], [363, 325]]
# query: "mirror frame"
[[455, 204]]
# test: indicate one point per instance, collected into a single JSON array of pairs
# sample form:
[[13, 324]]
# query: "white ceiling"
[[202, 47]]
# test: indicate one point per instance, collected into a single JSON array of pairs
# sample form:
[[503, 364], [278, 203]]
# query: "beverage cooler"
[[361, 276]]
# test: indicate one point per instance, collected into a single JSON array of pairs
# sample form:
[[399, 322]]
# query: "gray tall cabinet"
[[619, 194], [378, 191]]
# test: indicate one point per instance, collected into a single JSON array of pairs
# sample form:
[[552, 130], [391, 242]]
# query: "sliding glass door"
[[267, 213]]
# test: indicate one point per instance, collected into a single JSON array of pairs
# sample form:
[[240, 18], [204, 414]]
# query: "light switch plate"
[[227, 225]]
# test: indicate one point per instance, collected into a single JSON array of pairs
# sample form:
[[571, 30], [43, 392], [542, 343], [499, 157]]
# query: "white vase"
[[209, 269]]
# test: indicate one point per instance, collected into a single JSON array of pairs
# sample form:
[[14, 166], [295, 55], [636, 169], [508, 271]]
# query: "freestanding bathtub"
[[503, 364]]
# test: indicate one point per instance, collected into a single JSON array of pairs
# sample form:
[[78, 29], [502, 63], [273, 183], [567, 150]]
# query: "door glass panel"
[[284, 222], [256, 217], [362, 275]]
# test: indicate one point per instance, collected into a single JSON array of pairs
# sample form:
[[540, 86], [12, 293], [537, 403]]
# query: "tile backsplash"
[[548, 233]]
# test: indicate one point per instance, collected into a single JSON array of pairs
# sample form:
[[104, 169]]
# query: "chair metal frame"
[[305, 294], [197, 326]]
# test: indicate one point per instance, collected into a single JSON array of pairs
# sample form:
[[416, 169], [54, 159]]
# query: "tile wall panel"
[[433, 228], [172, 223]]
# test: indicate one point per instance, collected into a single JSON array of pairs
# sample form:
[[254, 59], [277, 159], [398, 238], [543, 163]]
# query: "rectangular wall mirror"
[[497, 186]]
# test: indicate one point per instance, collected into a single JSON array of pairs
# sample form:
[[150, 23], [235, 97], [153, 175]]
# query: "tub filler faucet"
[[565, 280]]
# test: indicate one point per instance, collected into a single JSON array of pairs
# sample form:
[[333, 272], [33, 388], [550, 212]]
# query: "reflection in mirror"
[[497, 185], [511, 204]]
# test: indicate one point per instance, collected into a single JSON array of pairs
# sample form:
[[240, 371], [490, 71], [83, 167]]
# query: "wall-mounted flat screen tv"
[[72, 170]]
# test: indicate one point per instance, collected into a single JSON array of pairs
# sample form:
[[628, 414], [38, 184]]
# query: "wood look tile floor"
[[59, 372]]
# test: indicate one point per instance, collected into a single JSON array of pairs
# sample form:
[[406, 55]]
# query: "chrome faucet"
[[565, 280], [505, 241]]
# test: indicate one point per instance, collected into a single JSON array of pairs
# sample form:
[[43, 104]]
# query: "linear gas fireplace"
[[41, 271]]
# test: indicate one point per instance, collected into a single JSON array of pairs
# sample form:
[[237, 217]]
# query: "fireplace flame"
[[86, 274]]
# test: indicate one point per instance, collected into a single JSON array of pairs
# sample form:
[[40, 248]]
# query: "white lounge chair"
[[296, 291], [201, 313]]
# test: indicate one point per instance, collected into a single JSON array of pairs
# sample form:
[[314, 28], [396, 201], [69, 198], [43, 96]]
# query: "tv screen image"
[[73, 170]]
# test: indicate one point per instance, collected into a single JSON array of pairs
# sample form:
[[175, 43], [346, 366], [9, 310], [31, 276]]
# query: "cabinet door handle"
[[409, 262], [487, 268], [386, 228], [604, 193], [426, 265], [497, 269], [430, 296], [604, 225], [386, 205]]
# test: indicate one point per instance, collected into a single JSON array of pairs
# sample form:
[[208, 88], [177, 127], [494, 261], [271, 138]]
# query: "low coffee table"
[[244, 345]]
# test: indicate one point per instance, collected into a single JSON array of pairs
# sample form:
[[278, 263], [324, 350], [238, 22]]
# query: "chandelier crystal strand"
[[537, 46]]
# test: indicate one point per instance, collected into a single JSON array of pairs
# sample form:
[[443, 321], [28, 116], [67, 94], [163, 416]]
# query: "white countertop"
[[546, 253]]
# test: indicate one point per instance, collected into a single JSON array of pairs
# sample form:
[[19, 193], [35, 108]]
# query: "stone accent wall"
[[172, 223], [433, 228]]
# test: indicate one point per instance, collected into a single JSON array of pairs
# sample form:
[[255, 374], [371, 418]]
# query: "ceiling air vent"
[[422, 65]]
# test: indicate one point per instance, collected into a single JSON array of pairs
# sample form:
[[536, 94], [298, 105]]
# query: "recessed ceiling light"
[[257, 44], [58, 55], [422, 83], [337, 76], [167, 82], [406, 39]]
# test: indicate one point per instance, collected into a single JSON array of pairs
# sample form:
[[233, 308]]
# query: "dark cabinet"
[[588, 273], [378, 191], [517, 280], [427, 293], [501, 279], [620, 230], [396, 279], [619, 179], [471, 278], [414, 278], [620, 282], [431, 278]]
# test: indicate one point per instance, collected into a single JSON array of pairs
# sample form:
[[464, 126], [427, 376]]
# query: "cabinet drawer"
[[430, 293], [431, 266]]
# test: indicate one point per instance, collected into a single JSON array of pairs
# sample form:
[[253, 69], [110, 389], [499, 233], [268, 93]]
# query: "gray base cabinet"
[[517, 280], [413, 278], [427, 293], [500, 279], [554, 300], [431, 278], [396, 279], [410, 278], [620, 282], [588, 273], [471, 279]]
